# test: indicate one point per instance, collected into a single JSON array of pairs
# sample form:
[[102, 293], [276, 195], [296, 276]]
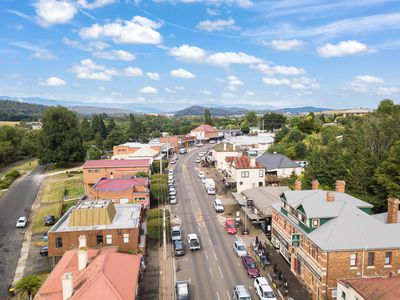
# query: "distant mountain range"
[[197, 110]]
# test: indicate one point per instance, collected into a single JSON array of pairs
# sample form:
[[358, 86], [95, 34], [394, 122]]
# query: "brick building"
[[122, 191], [130, 148], [205, 132], [94, 170], [103, 224], [179, 141], [327, 236]]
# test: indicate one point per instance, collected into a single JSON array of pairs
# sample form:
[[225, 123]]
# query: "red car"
[[250, 265], [230, 227]]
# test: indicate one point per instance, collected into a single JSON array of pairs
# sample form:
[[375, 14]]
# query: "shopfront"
[[281, 244]]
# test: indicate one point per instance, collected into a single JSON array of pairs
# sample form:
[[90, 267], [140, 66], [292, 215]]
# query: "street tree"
[[28, 286]]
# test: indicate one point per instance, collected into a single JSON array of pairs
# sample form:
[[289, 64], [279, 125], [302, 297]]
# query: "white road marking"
[[206, 254], [212, 275], [215, 255], [221, 272], [229, 296], [218, 296], [210, 241]]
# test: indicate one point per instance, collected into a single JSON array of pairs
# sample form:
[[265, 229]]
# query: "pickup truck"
[[193, 241]]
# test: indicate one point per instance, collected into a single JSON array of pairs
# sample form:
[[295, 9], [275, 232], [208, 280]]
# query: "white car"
[[173, 161], [263, 289], [172, 199], [172, 192], [198, 160], [202, 153], [203, 179], [239, 248], [170, 181], [170, 172], [201, 174], [22, 221], [193, 241], [218, 206], [200, 145], [170, 176]]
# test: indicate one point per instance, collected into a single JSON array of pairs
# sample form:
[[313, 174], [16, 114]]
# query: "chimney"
[[330, 197], [315, 184], [393, 210], [252, 161], [224, 146], [67, 285], [340, 186], [297, 185], [82, 253]]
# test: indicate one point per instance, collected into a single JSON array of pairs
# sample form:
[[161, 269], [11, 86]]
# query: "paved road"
[[16, 202], [214, 270]]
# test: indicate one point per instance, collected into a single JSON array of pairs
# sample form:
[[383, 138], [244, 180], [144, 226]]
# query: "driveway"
[[16, 202]]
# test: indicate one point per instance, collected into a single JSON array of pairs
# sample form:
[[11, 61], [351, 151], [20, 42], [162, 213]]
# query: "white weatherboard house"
[[220, 152], [279, 165]]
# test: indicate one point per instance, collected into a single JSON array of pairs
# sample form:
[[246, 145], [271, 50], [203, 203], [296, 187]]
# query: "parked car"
[[22, 221], [49, 220], [239, 248], [203, 179], [193, 241], [173, 161], [201, 174], [202, 153], [179, 248], [44, 237], [171, 176], [230, 226], [176, 233], [183, 151], [200, 145], [172, 199], [182, 290], [263, 289], [250, 265], [241, 293], [44, 251], [218, 206], [212, 141], [170, 172], [170, 181], [172, 192], [198, 160]]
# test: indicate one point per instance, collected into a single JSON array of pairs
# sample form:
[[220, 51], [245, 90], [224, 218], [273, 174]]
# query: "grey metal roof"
[[272, 161], [315, 205], [263, 197]]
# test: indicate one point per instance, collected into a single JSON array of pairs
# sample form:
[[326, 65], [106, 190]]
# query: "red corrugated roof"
[[205, 128], [230, 159], [243, 162], [375, 288], [109, 275], [117, 163], [119, 184]]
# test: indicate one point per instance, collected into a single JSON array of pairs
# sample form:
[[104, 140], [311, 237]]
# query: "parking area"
[[37, 264]]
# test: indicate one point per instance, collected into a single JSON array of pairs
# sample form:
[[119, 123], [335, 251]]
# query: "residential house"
[[205, 132], [278, 166], [220, 152], [87, 273], [130, 148], [372, 288], [94, 170], [122, 191], [142, 153], [103, 224], [257, 144], [327, 236], [179, 141], [245, 172], [35, 125], [257, 204]]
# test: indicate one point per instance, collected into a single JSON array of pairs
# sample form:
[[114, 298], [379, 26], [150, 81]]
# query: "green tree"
[[141, 174], [245, 127], [301, 150], [93, 153], [86, 130], [295, 135], [156, 213], [136, 132], [115, 137], [159, 191], [60, 141], [388, 173], [156, 165], [272, 121], [98, 125], [309, 124], [155, 228], [207, 117], [251, 118], [28, 286], [111, 125], [99, 141]]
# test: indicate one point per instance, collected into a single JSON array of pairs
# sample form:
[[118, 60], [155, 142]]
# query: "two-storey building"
[[326, 236]]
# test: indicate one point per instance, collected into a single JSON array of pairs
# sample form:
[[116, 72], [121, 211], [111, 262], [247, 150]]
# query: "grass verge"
[[51, 209]]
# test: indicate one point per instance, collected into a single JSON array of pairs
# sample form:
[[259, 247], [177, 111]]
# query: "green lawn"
[[74, 187], [53, 192], [67, 205], [22, 168], [50, 209], [54, 169]]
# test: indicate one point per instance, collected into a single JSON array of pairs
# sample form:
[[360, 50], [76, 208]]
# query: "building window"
[[126, 238], [343, 295], [315, 223], [353, 260], [260, 184], [140, 199], [261, 173], [59, 242], [94, 170], [284, 224], [109, 239], [371, 257], [244, 174], [99, 239], [388, 258]]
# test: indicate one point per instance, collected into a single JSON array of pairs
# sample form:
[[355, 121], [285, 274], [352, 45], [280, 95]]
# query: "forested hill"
[[197, 110], [20, 111]]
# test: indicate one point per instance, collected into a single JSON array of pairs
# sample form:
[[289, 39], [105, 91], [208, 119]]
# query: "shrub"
[[156, 213], [14, 174], [159, 178], [155, 228], [159, 191]]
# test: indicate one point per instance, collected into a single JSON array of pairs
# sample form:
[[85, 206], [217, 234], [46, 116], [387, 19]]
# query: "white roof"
[[192, 236]]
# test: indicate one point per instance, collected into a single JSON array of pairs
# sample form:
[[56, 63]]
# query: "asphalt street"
[[215, 269], [15, 203]]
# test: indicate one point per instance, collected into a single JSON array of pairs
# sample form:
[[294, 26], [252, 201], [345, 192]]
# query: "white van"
[[218, 206]]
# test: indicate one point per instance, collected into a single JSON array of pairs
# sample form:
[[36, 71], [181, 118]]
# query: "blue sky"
[[176, 53]]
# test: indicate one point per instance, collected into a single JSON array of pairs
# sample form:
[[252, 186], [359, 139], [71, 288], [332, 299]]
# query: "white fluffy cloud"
[[115, 55], [285, 45], [148, 90], [276, 81], [344, 48], [139, 30], [188, 53], [369, 79], [240, 3], [182, 73], [300, 83], [95, 4], [50, 12], [249, 93], [282, 70], [132, 72], [232, 83], [224, 59], [53, 81], [217, 25], [153, 76], [87, 69], [387, 91]]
